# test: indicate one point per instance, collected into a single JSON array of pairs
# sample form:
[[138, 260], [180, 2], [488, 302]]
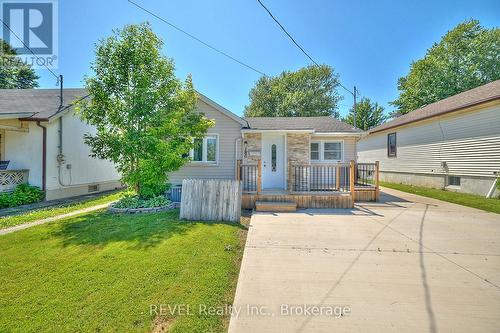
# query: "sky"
[[370, 44]]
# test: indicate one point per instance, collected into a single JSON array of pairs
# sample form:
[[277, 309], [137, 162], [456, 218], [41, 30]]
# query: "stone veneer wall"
[[298, 148], [253, 150]]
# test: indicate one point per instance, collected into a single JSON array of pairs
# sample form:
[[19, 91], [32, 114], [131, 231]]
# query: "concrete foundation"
[[73, 191], [468, 184]]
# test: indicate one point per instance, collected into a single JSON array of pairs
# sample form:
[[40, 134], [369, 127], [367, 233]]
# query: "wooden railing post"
[[289, 177], [259, 176], [351, 182], [337, 177], [238, 170], [377, 189]]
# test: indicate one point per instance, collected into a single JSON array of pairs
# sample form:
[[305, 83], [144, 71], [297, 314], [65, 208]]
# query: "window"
[[273, 158], [205, 150], [326, 151], [314, 151], [453, 180], [391, 145], [332, 151]]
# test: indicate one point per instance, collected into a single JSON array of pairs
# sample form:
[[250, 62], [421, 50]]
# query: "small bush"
[[133, 201], [23, 194]]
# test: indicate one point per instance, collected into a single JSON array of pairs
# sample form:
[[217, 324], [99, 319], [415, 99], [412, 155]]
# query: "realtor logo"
[[30, 27]]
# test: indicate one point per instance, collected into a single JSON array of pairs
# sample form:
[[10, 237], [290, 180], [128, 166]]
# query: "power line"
[[295, 42], [27, 47], [353, 93], [286, 32], [197, 39]]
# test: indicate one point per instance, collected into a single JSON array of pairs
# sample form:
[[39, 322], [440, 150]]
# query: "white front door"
[[273, 166]]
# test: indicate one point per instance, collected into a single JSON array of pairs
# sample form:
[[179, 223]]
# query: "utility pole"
[[354, 95]]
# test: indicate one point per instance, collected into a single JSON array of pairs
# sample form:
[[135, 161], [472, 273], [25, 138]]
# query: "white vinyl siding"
[[469, 143], [228, 132]]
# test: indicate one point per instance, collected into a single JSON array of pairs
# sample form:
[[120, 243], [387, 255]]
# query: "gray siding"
[[229, 131], [468, 141]]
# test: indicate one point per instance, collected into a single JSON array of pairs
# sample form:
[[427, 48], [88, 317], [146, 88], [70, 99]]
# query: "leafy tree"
[[14, 73], [466, 57], [310, 91], [368, 114], [145, 117]]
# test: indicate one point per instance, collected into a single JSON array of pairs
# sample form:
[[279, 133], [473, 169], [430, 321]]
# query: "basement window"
[[93, 188], [454, 181]]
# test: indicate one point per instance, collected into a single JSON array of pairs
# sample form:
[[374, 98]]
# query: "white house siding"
[[229, 131], [349, 145], [24, 151], [85, 170], [468, 141]]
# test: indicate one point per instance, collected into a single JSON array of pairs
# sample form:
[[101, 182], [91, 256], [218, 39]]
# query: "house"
[[452, 144], [42, 139], [278, 158]]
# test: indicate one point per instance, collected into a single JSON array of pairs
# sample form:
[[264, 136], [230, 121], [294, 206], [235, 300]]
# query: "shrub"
[[133, 201], [22, 195]]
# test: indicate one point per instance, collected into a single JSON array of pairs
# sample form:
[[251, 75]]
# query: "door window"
[[273, 158]]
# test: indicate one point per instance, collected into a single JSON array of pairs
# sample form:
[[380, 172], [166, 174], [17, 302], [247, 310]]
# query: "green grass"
[[470, 200], [100, 273], [9, 221]]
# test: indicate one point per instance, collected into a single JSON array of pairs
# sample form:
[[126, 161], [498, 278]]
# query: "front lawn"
[[9, 221], [470, 200], [100, 273]]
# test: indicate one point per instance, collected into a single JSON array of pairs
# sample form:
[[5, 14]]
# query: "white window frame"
[[204, 152], [322, 150]]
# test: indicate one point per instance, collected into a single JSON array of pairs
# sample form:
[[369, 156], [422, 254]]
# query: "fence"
[[211, 200]]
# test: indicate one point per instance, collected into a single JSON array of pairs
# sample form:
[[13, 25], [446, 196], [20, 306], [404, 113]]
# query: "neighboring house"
[[452, 144], [42, 139]]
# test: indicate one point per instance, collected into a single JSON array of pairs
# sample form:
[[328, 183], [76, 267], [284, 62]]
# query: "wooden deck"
[[314, 185]]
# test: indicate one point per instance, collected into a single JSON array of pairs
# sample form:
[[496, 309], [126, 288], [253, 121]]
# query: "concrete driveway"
[[408, 263]]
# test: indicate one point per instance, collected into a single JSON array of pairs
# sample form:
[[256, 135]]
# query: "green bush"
[[133, 201], [22, 195]]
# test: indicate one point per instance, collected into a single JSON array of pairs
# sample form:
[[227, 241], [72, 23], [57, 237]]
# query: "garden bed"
[[165, 208]]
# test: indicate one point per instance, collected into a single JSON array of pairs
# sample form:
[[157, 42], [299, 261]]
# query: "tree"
[[466, 57], [310, 91], [14, 73], [145, 117], [368, 114]]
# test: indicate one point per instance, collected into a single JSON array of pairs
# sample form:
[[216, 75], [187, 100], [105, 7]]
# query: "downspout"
[[61, 159], [44, 154]]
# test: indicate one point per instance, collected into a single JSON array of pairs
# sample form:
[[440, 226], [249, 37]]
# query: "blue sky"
[[369, 43]]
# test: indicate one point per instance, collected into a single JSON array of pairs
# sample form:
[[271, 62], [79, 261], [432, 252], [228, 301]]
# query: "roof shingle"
[[37, 103], [479, 95], [318, 124]]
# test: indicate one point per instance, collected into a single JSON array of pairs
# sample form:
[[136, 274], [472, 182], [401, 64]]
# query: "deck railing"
[[250, 176], [338, 177], [365, 174], [319, 177], [9, 179]]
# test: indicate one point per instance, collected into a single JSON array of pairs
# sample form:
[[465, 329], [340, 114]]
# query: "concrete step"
[[275, 206]]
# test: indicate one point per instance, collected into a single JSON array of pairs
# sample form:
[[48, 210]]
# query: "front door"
[[273, 166]]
